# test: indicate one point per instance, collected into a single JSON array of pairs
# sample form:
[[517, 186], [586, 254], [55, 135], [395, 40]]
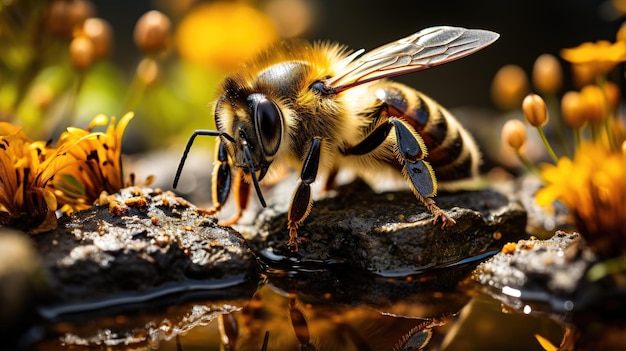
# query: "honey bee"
[[319, 107]]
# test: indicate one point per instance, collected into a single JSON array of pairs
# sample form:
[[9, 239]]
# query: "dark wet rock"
[[141, 239], [390, 233], [548, 272], [562, 277]]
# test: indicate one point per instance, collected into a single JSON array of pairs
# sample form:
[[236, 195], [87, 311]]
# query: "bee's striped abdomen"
[[452, 152]]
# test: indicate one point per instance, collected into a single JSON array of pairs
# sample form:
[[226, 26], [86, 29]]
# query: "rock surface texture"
[[391, 233], [141, 239], [541, 272]]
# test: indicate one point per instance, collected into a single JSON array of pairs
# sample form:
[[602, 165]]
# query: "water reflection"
[[314, 310]]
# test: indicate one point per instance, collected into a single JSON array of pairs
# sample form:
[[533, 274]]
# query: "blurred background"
[[166, 69], [528, 28]]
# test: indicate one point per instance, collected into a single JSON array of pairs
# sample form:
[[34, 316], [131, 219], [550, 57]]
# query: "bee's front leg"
[[302, 201], [221, 178], [222, 183], [242, 195]]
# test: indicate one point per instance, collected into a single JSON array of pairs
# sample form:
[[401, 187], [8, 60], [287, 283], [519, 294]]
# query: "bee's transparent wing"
[[424, 49]]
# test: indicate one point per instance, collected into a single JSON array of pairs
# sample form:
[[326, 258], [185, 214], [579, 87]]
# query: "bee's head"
[[252, 127], [257, 131]]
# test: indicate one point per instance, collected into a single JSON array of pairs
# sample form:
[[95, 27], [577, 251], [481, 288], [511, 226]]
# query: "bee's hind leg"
[[410, 153]]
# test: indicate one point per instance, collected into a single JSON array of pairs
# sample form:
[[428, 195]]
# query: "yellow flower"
[[593, 187], [99, 166], [25, 169], [223, 34], [37, 178], [595, 59], [593, 103]]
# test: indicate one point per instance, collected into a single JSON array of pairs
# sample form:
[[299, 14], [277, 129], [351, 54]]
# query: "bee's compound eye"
[[269, 125]]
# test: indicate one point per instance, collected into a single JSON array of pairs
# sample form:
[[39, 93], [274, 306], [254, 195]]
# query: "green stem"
[[73, 107], [133, 96], [547, 144], [601, 81], [577, 137], [54, 125], [609, 134], [24, 81], [135, 92], [593, 129], [526, 162]]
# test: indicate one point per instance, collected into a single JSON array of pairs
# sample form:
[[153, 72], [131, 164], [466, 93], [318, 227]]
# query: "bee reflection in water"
[[275, 320]]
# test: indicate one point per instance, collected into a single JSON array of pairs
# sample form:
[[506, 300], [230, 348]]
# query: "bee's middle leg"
[[301, 202]]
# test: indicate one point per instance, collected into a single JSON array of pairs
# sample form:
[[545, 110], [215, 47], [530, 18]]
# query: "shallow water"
[[309, 308]]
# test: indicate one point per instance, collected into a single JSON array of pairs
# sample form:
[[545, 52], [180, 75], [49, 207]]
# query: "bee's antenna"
[[188, 147], [255, 181]]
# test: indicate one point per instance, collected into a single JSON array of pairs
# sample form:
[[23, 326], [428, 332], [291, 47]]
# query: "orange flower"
[[595, 59], [593, 187], [37, 178], [223, 34], [25, 169], [99, 167]]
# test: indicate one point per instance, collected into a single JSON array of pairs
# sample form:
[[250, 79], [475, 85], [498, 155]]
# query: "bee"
[[320, 107]]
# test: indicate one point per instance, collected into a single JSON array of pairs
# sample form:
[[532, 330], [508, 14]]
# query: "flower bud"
[[572, 111], [43, 95], [81, 52], [152, 32], [148, 71], [100, 33], [63, 17], [583, 74], [593, 103], [57, 18], [514, 134], [535, 110], [509, 86], [547, 74]]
